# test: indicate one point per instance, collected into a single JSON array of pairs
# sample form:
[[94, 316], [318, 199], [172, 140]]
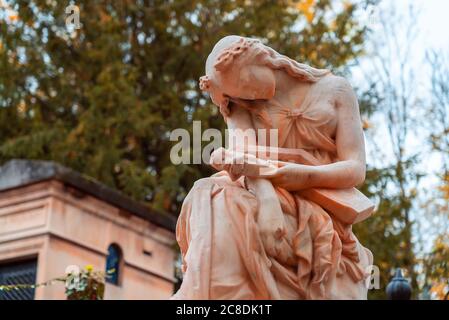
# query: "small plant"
[[86, 284]]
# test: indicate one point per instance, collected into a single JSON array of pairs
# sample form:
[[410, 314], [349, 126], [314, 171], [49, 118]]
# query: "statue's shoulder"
[[335, 82], [337, 86]]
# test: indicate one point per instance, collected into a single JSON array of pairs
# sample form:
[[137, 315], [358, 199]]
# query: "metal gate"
[[20, 272]]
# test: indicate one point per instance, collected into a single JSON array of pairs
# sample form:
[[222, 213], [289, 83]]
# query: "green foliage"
[[103, 99], [386, 232]]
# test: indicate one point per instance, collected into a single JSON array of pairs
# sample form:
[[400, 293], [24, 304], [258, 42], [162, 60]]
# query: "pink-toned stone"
[[277, 229], [62, 226]]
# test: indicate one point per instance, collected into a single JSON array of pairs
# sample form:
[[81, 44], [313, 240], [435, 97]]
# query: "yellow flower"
[[89, 268]]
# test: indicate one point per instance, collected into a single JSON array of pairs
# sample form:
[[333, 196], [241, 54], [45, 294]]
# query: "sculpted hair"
[[302, 71], [236, 49], [256, 52]]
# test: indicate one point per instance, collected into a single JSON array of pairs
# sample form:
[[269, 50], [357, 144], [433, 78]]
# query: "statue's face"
[[247, 81], [234, 71]]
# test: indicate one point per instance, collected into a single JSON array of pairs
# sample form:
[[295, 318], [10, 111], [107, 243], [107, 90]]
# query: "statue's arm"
[[349, 171]]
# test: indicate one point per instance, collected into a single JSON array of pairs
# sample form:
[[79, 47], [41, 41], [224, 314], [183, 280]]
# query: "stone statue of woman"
[[284, 233]]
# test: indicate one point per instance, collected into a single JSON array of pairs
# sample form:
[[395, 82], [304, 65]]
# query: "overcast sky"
[[434, 22]]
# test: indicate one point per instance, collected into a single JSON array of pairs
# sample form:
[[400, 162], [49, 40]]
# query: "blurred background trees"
[[407, 144], [436, 209], [391, 81], [104, 98]]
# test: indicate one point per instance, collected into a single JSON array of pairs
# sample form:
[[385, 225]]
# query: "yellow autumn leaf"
[[306, 7], [13, 17], [333, 25], [347, 5], [439, 290], [104, 17], [366, 124], [309, 16], [21, 108], [313, 56]]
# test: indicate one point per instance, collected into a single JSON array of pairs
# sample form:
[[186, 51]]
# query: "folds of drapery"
[[224, 258]]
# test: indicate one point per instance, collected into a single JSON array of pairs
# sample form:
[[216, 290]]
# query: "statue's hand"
[[238, 164], [272, 232], [291, 177], [232, 162]]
